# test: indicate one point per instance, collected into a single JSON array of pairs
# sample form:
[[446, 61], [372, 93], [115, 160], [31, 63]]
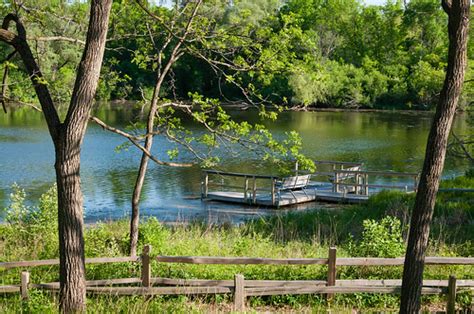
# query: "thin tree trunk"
[[174, 56], [137, 190], [458, 26]]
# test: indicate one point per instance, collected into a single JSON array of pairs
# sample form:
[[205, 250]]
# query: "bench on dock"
[[292, 183], [346, 176], [339, 177]]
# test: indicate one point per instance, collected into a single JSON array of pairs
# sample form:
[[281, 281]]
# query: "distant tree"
[[67, 136], [458, 12]]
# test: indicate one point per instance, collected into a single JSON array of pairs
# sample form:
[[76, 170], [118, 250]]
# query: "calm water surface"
[[382, 141]]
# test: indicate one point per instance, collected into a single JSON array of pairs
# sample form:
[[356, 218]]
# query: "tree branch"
[[21, 45], [135, 142], [4, 88], [88, 71], [463, 147], [59, 38], [447, 4]]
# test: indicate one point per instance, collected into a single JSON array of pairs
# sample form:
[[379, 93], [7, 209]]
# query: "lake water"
[[381, 140]]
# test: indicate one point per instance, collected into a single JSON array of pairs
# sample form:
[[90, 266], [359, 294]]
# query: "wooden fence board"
[[230, 283], [158, 290], [10, 289], [376, 261], [241, 260], [46, 262], [398, 282], [334, 289]]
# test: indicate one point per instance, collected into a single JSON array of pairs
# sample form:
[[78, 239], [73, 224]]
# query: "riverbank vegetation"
[[389, 56], [376, 229]]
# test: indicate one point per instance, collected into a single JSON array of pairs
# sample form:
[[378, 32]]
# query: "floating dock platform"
[[346, 183], [286, 198]]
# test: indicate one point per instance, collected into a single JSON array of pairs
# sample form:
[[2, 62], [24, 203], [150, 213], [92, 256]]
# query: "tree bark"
[[67, 138], [70, 202], [70, 221], [458, 26], [137, 190]]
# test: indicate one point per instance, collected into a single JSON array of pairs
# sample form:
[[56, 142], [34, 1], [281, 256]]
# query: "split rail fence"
[[242, 288]]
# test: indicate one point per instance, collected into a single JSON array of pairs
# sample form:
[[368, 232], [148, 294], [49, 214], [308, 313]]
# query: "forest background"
[[305, 53]]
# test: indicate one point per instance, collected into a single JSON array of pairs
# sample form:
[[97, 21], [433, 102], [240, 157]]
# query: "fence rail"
[[239, 286], [48, 262]]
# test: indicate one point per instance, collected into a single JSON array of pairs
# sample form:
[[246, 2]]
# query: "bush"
[[34, 229], [379, 239]]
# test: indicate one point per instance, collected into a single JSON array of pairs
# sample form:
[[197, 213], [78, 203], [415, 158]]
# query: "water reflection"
[[382, 141]]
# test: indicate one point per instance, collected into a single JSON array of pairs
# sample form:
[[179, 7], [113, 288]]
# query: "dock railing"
[[249, 186], [340, 173], [241, 288], [361, 183], [343, 177]]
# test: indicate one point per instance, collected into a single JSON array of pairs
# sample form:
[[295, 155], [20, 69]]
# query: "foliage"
[[380, 239], [31, 224], [389, 56]]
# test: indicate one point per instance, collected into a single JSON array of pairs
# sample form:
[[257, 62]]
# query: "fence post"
[[451, 304], [239, 293], [331, 281], [146, 269], [25, 280]]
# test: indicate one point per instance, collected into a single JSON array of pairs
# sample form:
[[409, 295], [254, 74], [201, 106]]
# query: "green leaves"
[[381, 238]]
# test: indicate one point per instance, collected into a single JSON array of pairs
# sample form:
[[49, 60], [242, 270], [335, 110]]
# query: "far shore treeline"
[[318, 53]]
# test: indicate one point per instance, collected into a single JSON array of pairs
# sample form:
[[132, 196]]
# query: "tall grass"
[[377, 228]]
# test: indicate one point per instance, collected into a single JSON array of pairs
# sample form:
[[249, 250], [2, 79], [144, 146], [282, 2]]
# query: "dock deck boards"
[[343, 185], [287, 198]]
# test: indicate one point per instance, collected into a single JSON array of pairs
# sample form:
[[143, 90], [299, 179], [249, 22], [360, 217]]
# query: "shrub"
[[31, 226], [379, 239]]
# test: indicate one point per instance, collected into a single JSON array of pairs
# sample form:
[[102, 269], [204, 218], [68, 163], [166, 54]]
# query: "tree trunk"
[[174, 56], [458, 26], [70, 221], [67, 138], [137, 190], [68, 148]]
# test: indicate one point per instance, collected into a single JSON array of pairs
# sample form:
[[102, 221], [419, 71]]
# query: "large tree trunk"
[[458, 12], [67, 138], [68, 148], [70, 221]]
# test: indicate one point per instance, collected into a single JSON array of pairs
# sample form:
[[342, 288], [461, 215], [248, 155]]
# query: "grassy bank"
[[377, 228]]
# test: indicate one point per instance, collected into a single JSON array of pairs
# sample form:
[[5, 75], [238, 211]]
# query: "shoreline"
[[245, 107]]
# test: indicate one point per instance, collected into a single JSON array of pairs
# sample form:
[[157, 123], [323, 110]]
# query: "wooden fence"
[[242, 288]]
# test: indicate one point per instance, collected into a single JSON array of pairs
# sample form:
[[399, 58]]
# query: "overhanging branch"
[[135, 142]]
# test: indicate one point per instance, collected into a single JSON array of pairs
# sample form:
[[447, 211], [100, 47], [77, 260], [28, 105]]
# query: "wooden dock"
[[287, 198], [345, 183]]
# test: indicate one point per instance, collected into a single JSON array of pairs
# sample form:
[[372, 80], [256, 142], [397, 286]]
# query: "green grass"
[[355, 230]]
